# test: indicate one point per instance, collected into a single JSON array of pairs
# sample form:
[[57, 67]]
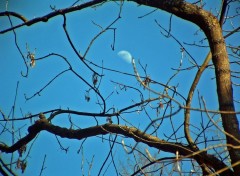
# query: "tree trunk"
[[212, 29]]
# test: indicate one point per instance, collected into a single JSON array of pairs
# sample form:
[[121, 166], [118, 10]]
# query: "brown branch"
[[194, 85], [7, 13], [131, 132], [137, 135], [212, 29], [49, 16]]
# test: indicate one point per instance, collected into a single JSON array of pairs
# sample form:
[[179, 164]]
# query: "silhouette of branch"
[[50, 15], [131, 132], [17, 15]]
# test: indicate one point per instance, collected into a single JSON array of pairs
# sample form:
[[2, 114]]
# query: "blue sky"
[[140, 36]]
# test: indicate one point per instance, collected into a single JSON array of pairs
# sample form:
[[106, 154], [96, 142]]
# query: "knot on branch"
[[38, 126]]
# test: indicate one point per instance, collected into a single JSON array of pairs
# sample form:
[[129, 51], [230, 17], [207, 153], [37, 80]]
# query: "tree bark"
[[131, 132], [212, 29]]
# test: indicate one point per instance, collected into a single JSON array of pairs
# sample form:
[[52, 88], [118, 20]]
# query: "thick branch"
[[212, 29], [48, 16], [131, 132], [194, 85]]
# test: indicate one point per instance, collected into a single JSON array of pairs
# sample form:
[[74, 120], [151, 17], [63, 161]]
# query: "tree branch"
[[212, 29], [131, 132], [7, 13], [48, 16]]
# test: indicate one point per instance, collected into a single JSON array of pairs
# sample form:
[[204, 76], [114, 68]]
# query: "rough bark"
[[131, 132], [212, 29]]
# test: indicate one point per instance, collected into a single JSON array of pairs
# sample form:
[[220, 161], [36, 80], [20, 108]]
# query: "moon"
[[125, 55]]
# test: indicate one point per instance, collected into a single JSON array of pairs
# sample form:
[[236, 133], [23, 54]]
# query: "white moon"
[[125, 55]]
